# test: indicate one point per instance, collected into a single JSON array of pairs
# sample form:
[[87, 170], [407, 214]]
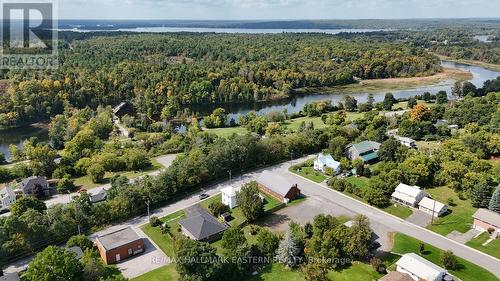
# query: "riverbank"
[[394, 84], [490, 66]]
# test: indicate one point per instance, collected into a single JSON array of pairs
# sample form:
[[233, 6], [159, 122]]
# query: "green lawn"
[[398, 211], [294, 124], [277, 271], [164, 273], [165, 242], [356, 272], [309, 173], [466, 271], [492, 248], [360, 182], [227, 132], [460, 216], [87, 183]]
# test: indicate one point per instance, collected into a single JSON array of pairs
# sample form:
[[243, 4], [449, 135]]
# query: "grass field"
[[492, 248], [466, 271], [357, 271], [227, 132], [460, 216], [165, 242], [164, 273], [87, 183], [309, 173]]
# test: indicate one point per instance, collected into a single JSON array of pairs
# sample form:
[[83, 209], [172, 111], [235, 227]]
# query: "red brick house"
[[278, 187], [119, 245], [486, 220]]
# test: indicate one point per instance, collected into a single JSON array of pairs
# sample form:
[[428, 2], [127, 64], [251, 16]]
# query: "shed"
[[419, 268]]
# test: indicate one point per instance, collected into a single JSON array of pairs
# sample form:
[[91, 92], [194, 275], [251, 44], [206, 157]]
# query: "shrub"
[[155, 221], [449, 260]]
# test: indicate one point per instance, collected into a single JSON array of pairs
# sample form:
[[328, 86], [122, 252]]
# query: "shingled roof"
[[202, 225]]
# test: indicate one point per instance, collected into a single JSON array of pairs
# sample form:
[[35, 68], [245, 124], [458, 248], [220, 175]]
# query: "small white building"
[[324, 161], [229, 196], [419, 268], [432, 207], [408, 195], [411, 143], [7, 197]]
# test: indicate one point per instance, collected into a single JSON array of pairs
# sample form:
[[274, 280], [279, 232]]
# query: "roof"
[[202, 225], [327, 160], [366, 146], [396, 276], [77, 250], [229, 190], [99, 197], [431, 204], [407, 193], [32, 181], [5, 191], [10, 277], [405, 139], [369, 157], [118, 238], [420, 267], [275, 182], [488, 217]]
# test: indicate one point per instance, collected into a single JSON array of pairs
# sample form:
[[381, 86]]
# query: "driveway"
[[463, 237], [419, 218]]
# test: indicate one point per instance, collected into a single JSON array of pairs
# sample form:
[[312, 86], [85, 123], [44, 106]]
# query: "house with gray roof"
[[365, 150], [35, 185], [201, 225]]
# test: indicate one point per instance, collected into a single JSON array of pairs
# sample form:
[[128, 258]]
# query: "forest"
[[163, 73]]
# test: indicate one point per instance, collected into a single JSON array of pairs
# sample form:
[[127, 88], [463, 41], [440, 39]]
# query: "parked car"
[[203, 196]]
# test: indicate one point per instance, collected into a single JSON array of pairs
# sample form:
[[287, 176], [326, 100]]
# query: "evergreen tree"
[[495, 201], [288, 251], [480, 195]]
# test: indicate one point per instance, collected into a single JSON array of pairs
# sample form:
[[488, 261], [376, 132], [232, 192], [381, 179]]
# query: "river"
[[480, 74]]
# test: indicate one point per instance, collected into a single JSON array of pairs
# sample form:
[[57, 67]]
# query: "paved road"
[[331, 198], [375, 215]]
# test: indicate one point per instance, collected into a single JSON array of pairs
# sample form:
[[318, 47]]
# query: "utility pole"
[[230, 177], [291, 158], [433, 211], [77, 210], [147, 203]]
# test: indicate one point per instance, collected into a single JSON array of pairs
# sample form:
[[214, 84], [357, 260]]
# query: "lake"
[[227, 30], [480, 74], [18, 135]]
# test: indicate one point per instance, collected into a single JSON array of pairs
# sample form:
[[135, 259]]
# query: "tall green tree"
[[495, 201], [54, 264], [249, 201]]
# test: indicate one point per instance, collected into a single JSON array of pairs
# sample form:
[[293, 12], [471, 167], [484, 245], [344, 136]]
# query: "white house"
[[7, 197], [427, 205], [419, 268], [408, 195], [229, 196], [326, 160]]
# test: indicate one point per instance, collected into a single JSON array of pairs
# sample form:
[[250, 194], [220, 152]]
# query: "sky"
[[276, 9]]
